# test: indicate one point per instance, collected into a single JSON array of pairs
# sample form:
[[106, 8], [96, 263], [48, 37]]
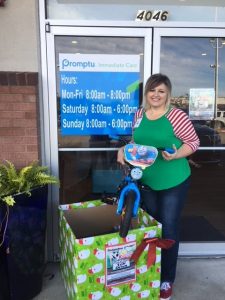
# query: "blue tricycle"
[[137, 158]]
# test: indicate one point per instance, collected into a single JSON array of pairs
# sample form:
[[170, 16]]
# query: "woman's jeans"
[[166, 206]]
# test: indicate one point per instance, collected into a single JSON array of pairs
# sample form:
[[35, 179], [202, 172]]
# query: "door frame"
[[50, 105], [49, 139], [196, 248]]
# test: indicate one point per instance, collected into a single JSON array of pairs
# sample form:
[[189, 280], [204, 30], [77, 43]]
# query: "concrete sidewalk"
[[197, 279]]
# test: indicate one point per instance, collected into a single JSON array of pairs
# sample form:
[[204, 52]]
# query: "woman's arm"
[[120, 153], [185, 131], [120, 156], [184, 151]]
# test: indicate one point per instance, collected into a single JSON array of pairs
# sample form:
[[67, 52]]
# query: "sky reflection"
[[183, 62]]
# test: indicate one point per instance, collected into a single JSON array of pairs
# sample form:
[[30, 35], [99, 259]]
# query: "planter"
[[22, 255]]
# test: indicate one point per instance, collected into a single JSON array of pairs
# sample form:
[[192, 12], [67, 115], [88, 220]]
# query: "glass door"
[[95, 78], [194, 60]]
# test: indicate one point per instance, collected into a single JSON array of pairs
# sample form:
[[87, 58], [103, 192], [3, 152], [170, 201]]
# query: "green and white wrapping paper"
[[83, 260]]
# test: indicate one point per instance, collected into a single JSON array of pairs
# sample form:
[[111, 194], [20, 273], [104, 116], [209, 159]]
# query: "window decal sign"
[[119, 267], [202, 104], [99, 94]]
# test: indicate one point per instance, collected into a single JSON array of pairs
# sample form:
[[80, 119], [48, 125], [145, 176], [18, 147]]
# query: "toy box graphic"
[[95, 260]]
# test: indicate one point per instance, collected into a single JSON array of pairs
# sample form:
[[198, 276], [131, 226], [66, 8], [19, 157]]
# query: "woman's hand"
[[184, 151], [170, 156], [120, 156]]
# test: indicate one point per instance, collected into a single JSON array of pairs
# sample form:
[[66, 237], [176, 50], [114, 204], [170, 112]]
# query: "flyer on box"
[[119, 268], [99, 93]]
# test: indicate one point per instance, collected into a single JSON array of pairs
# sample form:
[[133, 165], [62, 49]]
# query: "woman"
[[161, 125]]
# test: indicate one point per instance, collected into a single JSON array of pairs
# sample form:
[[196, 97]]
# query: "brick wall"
[[19, 129]]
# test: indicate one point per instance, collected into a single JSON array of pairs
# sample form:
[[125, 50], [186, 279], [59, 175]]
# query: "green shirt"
[[162, 174]]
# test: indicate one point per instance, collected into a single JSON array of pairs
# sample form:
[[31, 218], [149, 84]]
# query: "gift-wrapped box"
[[96, 262]]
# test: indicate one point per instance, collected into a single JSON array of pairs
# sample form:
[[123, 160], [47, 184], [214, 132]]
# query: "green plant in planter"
[[23, 222], [14, 181]]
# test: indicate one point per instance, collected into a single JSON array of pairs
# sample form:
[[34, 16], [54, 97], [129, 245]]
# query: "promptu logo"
[[77, 64]]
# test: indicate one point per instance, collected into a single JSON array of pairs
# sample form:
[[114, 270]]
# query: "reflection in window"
[[204, 212], [85, 175], [197, 70], [190, 64]]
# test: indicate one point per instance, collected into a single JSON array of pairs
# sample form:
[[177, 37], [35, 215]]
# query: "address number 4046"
[[148, 15]]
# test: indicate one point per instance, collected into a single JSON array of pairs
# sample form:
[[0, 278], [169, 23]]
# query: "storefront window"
[[199, 88], [105, 88], [126, 10], [86, 175], [204, 212], [197, 71]]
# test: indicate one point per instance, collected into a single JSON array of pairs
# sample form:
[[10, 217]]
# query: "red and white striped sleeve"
[[138, 114], [183, 128]]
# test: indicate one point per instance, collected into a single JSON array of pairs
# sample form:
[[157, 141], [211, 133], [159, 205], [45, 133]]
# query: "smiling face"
[[136, 173], [158, 96], [142, 150], [157, 92]]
